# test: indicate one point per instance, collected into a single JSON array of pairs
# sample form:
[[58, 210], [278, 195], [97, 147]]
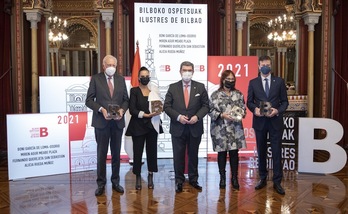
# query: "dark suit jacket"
[[138, 126], [174, 105], [98, 95], [277, 97]]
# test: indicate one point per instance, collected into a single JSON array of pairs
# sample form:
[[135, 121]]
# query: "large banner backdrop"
[[169, 34]]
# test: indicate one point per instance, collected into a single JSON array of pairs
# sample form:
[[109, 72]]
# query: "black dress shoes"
[[278, 188], [99, 191], [118, 188], [178, 187], [261, 184], [196, 185]]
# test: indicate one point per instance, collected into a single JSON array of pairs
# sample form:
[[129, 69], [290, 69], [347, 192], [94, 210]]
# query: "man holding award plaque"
[[267, 100], [107, 96]]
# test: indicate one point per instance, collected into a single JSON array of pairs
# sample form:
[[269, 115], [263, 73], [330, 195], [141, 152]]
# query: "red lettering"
[[43, 132], [201, 68]]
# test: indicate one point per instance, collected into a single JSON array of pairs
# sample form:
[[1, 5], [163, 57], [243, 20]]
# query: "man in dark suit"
[[107, 92], [186, 103], [271, 89]]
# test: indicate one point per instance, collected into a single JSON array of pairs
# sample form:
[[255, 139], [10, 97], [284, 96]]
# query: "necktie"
[[266, 87], [111, 87], [186, 95]]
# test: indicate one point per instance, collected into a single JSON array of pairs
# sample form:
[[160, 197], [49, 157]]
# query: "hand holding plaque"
[[113, 111], [156, 106], [237, 113], [265, 108]]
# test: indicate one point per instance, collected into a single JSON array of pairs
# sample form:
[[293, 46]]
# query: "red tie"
[[186, 95], [111, 87]]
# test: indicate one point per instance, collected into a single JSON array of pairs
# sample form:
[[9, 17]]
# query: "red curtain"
[[340, 106], [5, 70]]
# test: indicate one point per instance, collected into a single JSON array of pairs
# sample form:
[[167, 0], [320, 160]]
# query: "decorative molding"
[[311, 19], [125, 8], [36, 4], [241, 17], [89, 23], [221, 9], [325, 111], [76, 6], [244, 5], [308, 6], [34, 16]]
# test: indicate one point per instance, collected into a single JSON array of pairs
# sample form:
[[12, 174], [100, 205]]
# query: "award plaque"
[[113, 111], [265, 108], [156, 106], [237, 113]]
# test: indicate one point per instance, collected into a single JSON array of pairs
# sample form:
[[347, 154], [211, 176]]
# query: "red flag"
[[136, 67]]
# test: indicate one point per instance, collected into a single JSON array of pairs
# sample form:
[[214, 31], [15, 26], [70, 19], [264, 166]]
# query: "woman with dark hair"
[[227, 108], [144, 126]]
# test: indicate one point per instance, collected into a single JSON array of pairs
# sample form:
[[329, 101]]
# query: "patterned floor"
[[74, 193]]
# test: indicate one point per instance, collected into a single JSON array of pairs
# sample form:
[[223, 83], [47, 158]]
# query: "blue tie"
[[266, 87]]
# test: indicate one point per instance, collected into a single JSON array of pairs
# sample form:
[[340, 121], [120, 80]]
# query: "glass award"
[[113, 111], [156, 106], [265, 108], [237, 113]]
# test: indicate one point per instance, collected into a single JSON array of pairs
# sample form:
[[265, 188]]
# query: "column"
[[107, 17], [75, 58], [87, 63], [282, 70], [34, 16], [279, 55], [310, 19], [56, 60], [51, 51], [240, 19]]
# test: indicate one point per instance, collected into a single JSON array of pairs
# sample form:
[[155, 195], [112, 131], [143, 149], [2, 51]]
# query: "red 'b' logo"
[[43, 132]]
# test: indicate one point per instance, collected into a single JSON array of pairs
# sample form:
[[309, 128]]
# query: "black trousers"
[[113, 135], [179, 150], [275, 137], [150, 140]]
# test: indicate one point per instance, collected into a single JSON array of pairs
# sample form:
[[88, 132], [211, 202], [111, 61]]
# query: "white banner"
[[37, 145], [169, 34]]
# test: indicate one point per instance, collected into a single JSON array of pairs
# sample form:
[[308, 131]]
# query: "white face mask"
[[110, 71], [186, 76]]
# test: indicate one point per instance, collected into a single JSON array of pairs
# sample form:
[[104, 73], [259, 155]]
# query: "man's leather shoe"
[[178, 187], [118, 188], [196, 185], [99, 191], [279, 189], [261, 184]]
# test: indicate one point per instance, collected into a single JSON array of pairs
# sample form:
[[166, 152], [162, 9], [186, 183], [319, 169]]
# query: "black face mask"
[[144, 80], [230, 85]]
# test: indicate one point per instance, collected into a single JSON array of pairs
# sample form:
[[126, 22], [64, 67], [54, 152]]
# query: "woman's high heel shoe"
[[138, 182], [150, 180]]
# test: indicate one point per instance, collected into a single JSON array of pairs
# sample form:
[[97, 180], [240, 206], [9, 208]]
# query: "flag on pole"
[[136, 67]]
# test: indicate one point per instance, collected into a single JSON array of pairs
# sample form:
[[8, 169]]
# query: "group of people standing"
[[186, 103]]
